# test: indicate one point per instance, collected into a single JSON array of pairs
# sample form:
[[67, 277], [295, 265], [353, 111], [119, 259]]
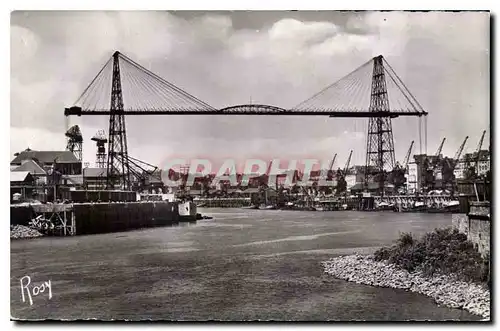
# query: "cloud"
[[442, 58]]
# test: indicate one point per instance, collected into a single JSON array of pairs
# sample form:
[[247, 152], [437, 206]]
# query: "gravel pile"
[[20, 231], [445, 290]]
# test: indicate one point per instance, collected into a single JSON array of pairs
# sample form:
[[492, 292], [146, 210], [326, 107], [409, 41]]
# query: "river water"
[[242, 265]]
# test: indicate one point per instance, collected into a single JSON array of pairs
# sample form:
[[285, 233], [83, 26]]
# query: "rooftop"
[[19, 176], [32, 167], [45, 157], [94, 172], [73, 179]]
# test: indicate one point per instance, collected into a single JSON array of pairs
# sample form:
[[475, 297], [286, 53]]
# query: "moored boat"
[[187, 211], [250, 207], [452, 206], [383, 206]]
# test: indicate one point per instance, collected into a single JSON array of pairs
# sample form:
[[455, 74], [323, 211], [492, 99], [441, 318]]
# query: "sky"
[[231, 58]]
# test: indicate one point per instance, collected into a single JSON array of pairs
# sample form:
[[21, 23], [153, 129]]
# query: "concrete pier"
[[93, 218], [115, 217]]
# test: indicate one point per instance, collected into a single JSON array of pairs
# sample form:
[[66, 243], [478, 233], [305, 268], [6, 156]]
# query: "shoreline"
[[20, 232], [444, 289]]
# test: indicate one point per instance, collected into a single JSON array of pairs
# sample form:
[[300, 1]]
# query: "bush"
[[442, 251]]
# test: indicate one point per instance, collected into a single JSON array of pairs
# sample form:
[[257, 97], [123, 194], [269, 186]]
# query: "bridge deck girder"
[[248, 111]]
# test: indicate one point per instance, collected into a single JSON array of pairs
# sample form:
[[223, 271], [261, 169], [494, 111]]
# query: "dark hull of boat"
[[387, 208], [420, 209], [445, 210], [250, 207]]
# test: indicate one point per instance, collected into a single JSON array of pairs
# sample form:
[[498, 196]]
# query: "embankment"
[[93, 218], [115, 217], [446, 290]]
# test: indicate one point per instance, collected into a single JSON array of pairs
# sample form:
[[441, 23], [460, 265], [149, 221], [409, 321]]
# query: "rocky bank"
[[445, 290], [20, 232]]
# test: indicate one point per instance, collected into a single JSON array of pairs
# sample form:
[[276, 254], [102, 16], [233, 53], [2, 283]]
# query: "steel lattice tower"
[[100, 140], [75, 141], [380, 143], [118, 172]]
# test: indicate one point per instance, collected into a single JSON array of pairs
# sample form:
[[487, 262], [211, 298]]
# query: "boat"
[[250, 207], [187, 211], [203, 217], [382, 206], [268, 207], [445, 207], [452, 206], [288, 206], [418, 206]]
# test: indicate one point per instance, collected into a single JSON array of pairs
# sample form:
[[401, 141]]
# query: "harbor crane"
[[459, 152], [407, 157], [449, 166], [331, 163], [75, 141], [440, 148], [397, 176], [137, 91], [436, 156], [346, 168], [341, 174], [263, 179], [476, 166], [101, 140], [143, 172]]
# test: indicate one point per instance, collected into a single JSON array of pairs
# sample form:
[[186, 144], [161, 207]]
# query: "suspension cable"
[[420, 133]]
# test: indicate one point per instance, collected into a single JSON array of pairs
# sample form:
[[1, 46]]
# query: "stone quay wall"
[[476, 225]]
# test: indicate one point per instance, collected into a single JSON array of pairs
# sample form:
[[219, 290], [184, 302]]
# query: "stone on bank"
[[444, 289]]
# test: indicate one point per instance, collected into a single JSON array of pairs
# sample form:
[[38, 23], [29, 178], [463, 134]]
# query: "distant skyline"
[[228, 58]]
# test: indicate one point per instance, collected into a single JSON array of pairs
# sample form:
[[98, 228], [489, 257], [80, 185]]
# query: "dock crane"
[[436, 156], [459, 152], [341, 174], [440, 148], [75, 141], [143, 172], [476, 166], [449, 166], [346, 167], [407, 157], [330, 173], [397, 176], [331, 163], [263, 179]]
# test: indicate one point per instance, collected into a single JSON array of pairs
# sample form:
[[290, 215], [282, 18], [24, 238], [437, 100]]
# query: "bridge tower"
[[118, 170], [380, 156]]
